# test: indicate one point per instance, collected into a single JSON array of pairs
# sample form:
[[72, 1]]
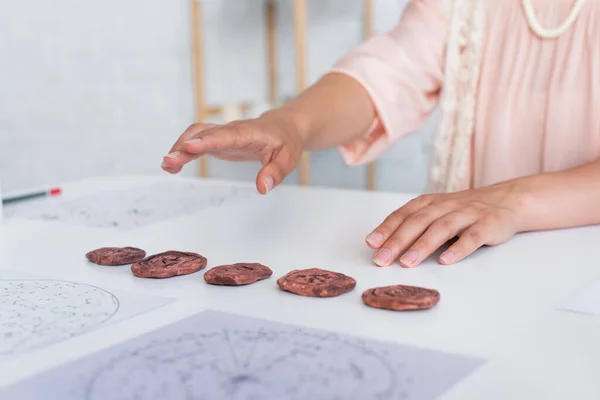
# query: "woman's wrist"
[[293, 122], [334, 111], [556, 200], [523, 200]]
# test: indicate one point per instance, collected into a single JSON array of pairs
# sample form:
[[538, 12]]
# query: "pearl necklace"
[[545, 33]]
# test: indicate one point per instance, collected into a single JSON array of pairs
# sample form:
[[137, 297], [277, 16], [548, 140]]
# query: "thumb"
[[275, 171]]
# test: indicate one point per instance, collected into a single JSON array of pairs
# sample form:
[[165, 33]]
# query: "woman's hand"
[[486, 216], [271, 139], [334, 111]]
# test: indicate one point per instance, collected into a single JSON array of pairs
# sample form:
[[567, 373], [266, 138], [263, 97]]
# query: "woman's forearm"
[[334, 111], [562, 199]]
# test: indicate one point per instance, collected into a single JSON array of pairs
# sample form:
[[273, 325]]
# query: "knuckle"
[[416, 202], [474, 236], [478, 204], [444, 226], [241, 126], [420, 217], [426, 197], [450, 204], [490, 219], [411, 203], [236, 128], [199, 127], [398, 214], [275, 139], [471, 209]]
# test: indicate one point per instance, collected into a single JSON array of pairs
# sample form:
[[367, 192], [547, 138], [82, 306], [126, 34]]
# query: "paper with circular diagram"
[[213, 355], [38, 312], [133, 207]]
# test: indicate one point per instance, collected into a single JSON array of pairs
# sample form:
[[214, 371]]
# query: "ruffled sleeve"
[[402, 71]]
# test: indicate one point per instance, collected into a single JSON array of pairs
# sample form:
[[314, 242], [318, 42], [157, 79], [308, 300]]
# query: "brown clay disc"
[[116, 255], [237, 274], [401, 298], [168, 264], [316, 282]]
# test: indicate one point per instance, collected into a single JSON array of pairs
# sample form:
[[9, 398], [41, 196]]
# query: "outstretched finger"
[[177, 156], [194, 130], [384, 231], [174, 162], [438, 233], [223, 138]]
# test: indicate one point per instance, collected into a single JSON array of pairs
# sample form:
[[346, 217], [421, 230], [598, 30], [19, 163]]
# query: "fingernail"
[[375, 239], [409, 258], [269, 183], [383, 257], [174, 154], [164, 164], [447, 257], [193, 141]]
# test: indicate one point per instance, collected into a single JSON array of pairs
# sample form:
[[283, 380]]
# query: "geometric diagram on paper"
[[133, 207], [215, 355], [36, 313], [251, 364]]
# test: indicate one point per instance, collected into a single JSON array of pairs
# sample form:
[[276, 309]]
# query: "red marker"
[[15, 199]]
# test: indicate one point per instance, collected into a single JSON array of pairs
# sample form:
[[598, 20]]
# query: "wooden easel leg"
[[271, 19], [368, 31], [300, 36], [198, 68]]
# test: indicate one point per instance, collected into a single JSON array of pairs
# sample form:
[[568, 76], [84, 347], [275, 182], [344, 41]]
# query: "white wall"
[[92, 88]]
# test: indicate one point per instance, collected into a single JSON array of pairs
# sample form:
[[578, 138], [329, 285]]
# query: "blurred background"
[[103, 88]]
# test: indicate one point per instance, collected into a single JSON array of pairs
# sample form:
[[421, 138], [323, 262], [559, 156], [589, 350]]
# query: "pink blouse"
[[538, 107]]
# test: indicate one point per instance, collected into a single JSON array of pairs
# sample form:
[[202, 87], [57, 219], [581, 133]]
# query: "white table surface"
[[499, 304]]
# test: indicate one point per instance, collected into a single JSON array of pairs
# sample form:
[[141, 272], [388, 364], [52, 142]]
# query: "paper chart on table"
[[586, 301], [37, 312], [214, 355], [131, 208]]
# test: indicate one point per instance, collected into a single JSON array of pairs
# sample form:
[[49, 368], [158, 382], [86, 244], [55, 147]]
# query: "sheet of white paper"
[[585, 302], [37, 312], [133, 207], [213, 355]]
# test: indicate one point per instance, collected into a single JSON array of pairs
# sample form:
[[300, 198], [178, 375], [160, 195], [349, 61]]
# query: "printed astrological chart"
[[133, 207], [213, 355], [37, 312], [34, 313]]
